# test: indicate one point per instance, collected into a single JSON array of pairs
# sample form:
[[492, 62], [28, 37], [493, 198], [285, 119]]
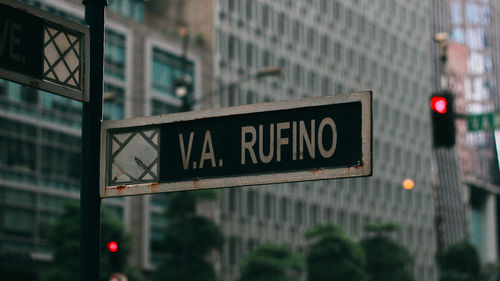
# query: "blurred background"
[[433, 196]]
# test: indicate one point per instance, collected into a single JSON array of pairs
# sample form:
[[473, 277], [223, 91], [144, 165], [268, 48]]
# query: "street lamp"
[[442, 39], [183, 86]]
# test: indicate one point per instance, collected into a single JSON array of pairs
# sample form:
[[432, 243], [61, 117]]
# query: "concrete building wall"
[[327, 47]]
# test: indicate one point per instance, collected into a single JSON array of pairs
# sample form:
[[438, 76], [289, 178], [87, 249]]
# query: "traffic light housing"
[[443, 119], [183, 88], [116, 259]]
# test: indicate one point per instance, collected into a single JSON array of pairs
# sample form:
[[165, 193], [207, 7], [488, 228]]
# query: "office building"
[[475, 24], [40, 134], [327, 47]]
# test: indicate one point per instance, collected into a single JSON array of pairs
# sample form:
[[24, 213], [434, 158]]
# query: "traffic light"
[[443, 119], [113, 247], [182, 89], [115, 257]]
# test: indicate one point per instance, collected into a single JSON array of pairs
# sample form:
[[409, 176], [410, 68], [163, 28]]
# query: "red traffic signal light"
[[113, 246], [443, 119], [439, 104]]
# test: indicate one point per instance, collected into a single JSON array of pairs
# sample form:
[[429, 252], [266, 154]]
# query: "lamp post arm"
[[261, 73]]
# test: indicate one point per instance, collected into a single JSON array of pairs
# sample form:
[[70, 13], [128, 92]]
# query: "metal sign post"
[[310, 139], [90, 202], [44, 51]]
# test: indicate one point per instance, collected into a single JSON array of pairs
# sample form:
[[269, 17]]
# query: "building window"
[[167, 67], [284, 209], [315, 215], [161, 107], [265, 16], [323, 6], [17, 152], [299, 212], [476, 13], [233, 197], [230, 6], [18, 221], [329, 215], [250, 55], [477, 38], [249, 9], [233, 250], [231, 48], [281, 24], [61, 160], [324, 46], [337, 51], [114, 55], [251, 198], [325, 86], [133, 9], [311, 35], [337, 10], [296, 31], [114, 98], [456, 13]]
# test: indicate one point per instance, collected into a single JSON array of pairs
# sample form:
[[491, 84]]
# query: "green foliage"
[[64, 236], [333, 255], [189, 240], [271, 263], [460, 261], [386, 260]]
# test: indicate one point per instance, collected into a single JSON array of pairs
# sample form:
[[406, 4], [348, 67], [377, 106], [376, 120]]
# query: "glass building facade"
[[40, 132], [472, 23], [471, 26]]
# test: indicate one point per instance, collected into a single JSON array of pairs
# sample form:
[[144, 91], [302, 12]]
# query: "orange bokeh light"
[[408, 184]]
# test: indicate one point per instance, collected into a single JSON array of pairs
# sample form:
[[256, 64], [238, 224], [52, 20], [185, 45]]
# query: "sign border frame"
[[82, 95], [365, 169]]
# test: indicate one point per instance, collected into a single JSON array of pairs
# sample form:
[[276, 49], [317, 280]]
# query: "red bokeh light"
[[113, 246], [439, 104]]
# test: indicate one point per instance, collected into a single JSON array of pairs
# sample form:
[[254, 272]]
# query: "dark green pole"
[[90, 201]]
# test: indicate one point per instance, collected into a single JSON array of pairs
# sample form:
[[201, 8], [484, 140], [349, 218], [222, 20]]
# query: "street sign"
[[44, 51], [483, 122], [310, 139]]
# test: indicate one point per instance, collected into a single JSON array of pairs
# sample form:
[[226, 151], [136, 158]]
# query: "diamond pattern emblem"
[[62, 58], [134, 157]]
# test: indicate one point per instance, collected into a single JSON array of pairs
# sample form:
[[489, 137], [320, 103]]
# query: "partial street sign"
[[309, 139], [483, 122], [44, 51]]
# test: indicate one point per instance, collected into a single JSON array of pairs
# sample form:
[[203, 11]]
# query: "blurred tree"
[[460, 262], [271, 263], [386, 260], [333, 255], [189, 240], [64, 236]]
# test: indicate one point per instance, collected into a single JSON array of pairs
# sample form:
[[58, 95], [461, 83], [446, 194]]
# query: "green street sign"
[[483, 122]]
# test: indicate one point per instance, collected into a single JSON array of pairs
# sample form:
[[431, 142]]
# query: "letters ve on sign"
[[310, 139], [43, 51]]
